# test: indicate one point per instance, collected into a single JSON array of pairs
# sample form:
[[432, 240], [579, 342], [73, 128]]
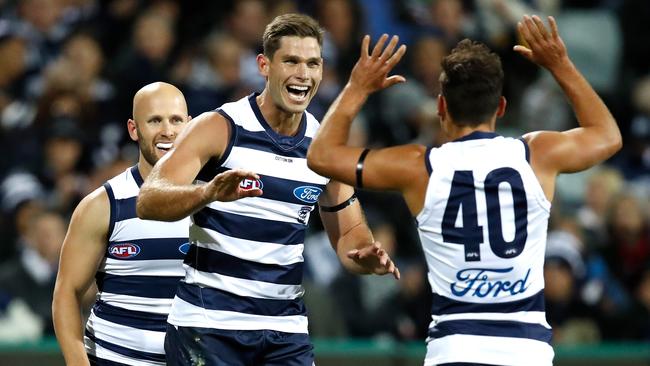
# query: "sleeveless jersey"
[[137, 280], [245, 264], [483, 230]]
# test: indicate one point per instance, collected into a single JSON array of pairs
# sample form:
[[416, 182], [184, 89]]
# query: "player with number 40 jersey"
[[481, 201]]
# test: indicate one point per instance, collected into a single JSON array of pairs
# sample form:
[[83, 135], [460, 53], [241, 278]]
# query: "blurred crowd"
[[69, 69]]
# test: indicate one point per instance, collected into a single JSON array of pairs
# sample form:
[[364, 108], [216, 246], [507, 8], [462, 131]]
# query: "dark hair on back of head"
[[292, 24], [472, 82]]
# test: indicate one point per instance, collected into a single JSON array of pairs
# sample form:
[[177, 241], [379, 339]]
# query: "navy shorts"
[[186, 346]]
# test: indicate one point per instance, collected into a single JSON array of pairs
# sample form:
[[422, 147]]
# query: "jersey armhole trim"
[[113, 209], [232, 136], [526, 148], [427, 161]]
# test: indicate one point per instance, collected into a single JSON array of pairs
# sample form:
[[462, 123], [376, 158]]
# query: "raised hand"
[[227, 186], [546, 48], [374, 259], [370, 73]]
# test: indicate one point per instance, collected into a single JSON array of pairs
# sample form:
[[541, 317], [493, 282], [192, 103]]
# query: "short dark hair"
[[290, 25], [471, 82]]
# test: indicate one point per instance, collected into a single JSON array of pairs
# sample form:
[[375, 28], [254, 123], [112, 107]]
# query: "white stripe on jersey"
[[123, 336], [158, 267], [261, 252], [106, 354], [264, 163], [261, 208], [135, 228], [243, 287], [145, 304], [533, 317], [185, 314], [504, 351]]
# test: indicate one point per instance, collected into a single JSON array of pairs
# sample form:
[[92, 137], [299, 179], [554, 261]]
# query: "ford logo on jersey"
[[307, 194], [248, 184], [123, 250], [184, 248], [476, 282]]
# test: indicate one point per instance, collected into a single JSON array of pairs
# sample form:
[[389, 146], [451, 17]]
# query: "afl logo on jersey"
[[124, 250], [184, 248], [307, 194], [248, 184]]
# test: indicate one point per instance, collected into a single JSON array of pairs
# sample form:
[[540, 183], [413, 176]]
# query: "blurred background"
[[69, 69]]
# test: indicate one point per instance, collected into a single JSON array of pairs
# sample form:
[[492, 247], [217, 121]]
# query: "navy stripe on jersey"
[[526, 147], [207, 260], [250, 228], [285, 143], [124, 209], [158, 287], [156, 248], [493, 328], [427, 161], [96, 361], [259, 140], [130, 318], [214, 299], [113, 207], [135, 172], [279, 189], [232, 137], [126, 351], [443, 305]]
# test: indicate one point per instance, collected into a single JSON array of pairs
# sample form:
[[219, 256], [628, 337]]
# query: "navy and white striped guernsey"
[[245, 264], [137, 280], [483, 231]]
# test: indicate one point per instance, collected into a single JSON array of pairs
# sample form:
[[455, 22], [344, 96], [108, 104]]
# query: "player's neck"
[[282, 122], [455, 131], [144, 168]]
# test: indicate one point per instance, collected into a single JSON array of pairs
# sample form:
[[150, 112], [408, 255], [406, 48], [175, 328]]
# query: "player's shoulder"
[[95, 206], [211, 122]]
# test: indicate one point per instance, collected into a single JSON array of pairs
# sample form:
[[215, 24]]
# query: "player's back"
[[483, 231]]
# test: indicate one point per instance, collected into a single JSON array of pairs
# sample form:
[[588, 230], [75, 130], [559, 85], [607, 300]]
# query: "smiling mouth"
[[298, 93], [165, 146]]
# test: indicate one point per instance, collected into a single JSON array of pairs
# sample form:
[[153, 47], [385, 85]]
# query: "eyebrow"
[[296, 57]]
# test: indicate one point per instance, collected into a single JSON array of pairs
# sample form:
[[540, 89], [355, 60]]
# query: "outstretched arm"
[[400, 168], [168, 193], [349, 233], [598, 136], [83, 249]]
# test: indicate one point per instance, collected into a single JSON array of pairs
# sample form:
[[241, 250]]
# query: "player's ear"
[[501, 109], [442, 106], [263, 65], [132, 127]]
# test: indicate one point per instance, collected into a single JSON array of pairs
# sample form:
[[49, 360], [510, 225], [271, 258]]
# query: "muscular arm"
[[349, 234], [83, 249], [400, 168], [598, 136], [168, 193]]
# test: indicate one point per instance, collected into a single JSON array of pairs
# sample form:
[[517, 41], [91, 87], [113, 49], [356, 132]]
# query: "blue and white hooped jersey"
[[483, 230], [245, 264], [137, 280]]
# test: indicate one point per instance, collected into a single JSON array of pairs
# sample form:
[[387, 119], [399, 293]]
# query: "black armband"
[[341, 205], [359, 172]]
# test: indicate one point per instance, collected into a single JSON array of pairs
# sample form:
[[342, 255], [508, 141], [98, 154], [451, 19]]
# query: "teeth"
[[165, 145], [299, 87]]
